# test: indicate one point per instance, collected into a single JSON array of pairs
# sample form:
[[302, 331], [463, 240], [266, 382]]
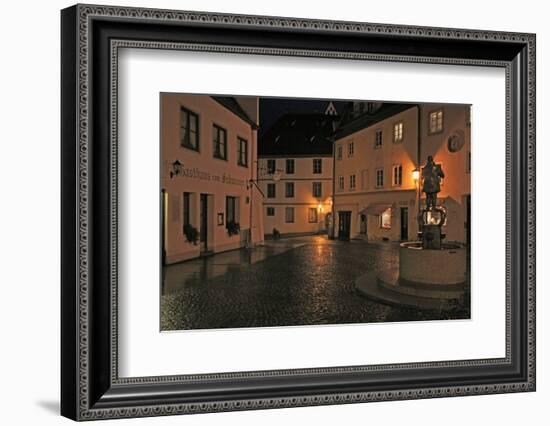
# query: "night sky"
[[273, 108]]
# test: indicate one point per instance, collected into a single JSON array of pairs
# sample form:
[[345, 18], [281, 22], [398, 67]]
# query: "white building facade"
[[295, 169], [377, 151]]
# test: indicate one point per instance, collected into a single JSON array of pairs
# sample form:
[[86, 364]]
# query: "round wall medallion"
[[455, 142]]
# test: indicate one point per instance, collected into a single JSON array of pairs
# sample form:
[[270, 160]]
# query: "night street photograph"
[[300, 212]]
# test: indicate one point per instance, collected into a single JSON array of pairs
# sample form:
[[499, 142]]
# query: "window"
[[350, 149], [378, 139], [289, 189], [436, 121], [397, 175], [317, 165], [290, 166], [270, 211], [186, 208], [230, 209], [189, 129], [270, 166], [379, 178], [289, 214], [339, 152], [398, 132], [469, 162], [340, 183], [317, 189], [365, 179], [242, 153], [385, 219], [352, 182], [271, 190], [220, 142], [312, 215]]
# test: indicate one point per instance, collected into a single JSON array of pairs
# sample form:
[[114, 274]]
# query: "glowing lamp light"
[[320, 207], [416, 174]]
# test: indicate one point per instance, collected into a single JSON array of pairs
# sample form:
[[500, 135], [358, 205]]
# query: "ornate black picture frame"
[[91, 36]]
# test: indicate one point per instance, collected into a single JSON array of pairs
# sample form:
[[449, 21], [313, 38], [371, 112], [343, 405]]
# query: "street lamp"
[[416, 178], [176, 169]]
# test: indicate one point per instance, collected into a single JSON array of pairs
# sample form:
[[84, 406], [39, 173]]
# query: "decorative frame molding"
[[91, 388]]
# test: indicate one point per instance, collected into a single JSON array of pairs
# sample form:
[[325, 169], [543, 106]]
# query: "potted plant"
[[233, 228], [191, 233]]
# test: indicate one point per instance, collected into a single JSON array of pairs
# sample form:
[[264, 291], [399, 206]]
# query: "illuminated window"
[[220, 142], [385, 219], [270, 211], [317, 189], [352, 182], [312, 215], [379, 178], [398, 132], [189, 129], [436, 121], [378, 139], [289, 214], [397, 175], [317, 165]]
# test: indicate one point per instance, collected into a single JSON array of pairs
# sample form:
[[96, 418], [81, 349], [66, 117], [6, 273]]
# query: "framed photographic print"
[[263, 212]]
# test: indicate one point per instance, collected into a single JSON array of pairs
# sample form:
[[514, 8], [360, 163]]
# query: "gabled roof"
[[299, 134], [347, 127], [232, 105]]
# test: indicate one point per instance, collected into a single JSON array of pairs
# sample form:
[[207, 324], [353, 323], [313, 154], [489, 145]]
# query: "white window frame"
[[352, 182], [397, 175], [436, 121], [341, 183], [378, 139], [398, 132], [379, 172]]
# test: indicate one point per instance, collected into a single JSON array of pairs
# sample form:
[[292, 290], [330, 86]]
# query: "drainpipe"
[[250, 206], [331, 237], [418, 160]]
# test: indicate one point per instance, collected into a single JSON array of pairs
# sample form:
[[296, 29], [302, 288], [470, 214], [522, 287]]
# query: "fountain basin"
[[445, 267]]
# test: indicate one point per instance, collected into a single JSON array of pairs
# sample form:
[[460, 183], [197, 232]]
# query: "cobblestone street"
[[294, 281]]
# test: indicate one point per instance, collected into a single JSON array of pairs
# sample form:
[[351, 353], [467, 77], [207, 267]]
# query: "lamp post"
[[416, 178]]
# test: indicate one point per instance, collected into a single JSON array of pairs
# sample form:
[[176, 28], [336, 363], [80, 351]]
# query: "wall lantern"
[[416, 174], [176, 169]]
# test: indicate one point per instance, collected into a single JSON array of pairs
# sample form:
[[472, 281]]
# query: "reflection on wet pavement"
[[295, 281]]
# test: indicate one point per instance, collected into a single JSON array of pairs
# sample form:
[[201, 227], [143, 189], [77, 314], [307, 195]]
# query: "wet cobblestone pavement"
[[298, 281]]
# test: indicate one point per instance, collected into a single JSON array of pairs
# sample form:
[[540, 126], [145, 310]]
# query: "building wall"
[[202, 173], [367, 158], [303, 178], [456, 185]]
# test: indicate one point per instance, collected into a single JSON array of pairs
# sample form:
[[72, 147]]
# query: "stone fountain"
[[431, 272]]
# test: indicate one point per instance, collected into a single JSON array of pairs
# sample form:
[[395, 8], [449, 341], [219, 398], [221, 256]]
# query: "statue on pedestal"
[[431, 178], [433, 216]]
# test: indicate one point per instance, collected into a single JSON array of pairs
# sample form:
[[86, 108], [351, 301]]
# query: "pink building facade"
[[208, 164]]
